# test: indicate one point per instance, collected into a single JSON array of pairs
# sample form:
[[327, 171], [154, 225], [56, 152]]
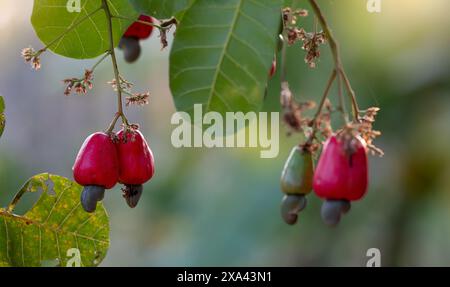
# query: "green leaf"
[[55, 225], [2, 116], [162, 9], [2, 105], [80, 35], [222, 54]]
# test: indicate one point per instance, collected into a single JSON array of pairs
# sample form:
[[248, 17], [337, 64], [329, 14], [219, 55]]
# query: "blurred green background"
[[221, 206]]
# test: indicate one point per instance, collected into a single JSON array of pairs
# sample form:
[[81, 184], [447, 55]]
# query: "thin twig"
[[100, 61], [342, 109], [164, 25], [337, 57], [138, 21], [320, 108], [115, 66], [112, 124]]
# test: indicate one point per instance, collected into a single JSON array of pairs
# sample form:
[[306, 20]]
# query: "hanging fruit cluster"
[[107, 159], [341, 175]]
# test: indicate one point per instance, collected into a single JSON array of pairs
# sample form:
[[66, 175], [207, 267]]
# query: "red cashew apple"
[[140, 30], [96, 168], [136, 164], [130, 40], [341, 175]]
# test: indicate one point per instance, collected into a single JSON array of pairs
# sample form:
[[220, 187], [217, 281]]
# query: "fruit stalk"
[[334, 46], [320, 108], [141, 22]]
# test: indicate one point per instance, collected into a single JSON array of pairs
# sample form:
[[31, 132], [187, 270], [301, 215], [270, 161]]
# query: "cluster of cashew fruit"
[[341, 176], [130, 42], [107, 159]]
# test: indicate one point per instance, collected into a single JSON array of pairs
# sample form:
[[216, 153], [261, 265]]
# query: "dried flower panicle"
[[124, 84], [301, 13], [294, 34], [311, 44], [138, 99], [324, 120], [293, 110], [165, 28], [287, 11], [311, 41], [81, 86], [320, 125], [365, 128], [33, 57], [28, 54], [290, 17], [163, 39]]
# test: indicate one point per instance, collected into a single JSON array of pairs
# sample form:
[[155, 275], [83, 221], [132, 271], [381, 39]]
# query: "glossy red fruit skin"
[[340, 176], [140, 30], [136, 162], [97, 162]]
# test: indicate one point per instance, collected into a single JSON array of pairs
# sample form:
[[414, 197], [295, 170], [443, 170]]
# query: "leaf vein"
[[224, 52]]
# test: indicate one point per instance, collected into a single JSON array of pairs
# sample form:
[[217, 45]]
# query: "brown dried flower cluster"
[[365, 128], [81, 86], [311, 44], [311, 41], [290, 17], [293, 110], [31, 56], [165, 28], [138, 99], [323, 121], [124, 84]]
